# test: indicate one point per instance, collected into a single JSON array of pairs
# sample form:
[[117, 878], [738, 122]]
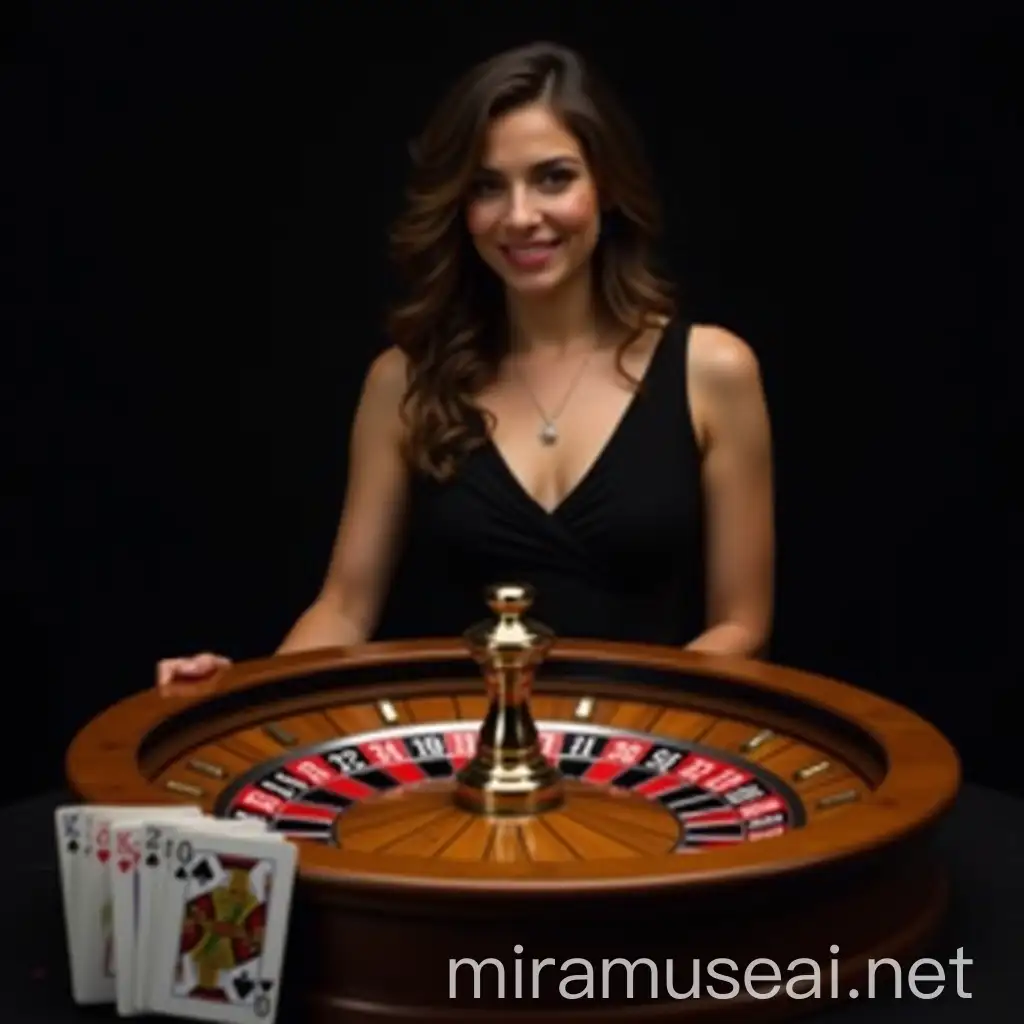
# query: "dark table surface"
[[983, 842]]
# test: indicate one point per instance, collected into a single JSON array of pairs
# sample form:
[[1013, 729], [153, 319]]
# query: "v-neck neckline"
[[602, 454]]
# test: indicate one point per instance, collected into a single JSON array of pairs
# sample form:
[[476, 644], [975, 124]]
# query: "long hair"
[[450, 322]]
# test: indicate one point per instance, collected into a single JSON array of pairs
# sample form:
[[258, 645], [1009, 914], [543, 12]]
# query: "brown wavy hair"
[[450, 323]]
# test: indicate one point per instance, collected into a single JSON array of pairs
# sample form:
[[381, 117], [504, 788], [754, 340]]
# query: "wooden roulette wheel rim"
[[912, 770]]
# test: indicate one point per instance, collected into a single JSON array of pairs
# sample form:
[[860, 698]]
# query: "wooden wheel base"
[[907, 910]]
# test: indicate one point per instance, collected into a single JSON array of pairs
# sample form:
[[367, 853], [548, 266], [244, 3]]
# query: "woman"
[[546, 411]]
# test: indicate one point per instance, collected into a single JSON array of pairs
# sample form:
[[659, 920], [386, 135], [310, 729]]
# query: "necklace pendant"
[[548, 435]]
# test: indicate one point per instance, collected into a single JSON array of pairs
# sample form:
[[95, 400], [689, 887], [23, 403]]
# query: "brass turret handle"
[[511, 641], [509, 774]]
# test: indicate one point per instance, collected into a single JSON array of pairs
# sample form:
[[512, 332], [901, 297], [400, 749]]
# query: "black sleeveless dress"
[[621, 558]]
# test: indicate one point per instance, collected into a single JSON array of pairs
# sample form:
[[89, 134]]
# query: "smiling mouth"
[[532, 256]]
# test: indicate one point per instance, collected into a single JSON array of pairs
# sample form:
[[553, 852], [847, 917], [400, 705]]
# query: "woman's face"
[[534, 212]]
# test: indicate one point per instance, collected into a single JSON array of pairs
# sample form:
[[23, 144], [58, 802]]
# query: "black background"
[[195, 282]]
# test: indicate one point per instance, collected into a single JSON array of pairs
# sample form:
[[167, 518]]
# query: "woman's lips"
[[532, 256]]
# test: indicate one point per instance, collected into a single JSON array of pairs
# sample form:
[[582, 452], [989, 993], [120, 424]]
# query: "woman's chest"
[[550, 445]]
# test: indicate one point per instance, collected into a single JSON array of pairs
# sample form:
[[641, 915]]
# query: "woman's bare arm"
[[730, 399], [362, 563]]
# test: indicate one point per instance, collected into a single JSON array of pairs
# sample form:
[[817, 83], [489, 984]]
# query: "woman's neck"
[[557, 322]]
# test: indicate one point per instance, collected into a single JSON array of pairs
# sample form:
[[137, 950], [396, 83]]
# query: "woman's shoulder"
[[389, 368], [384, 388], [387, 378], [717, 357], [724, 380]]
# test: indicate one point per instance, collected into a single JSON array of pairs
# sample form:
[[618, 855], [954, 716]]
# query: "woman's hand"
[[197, 668]]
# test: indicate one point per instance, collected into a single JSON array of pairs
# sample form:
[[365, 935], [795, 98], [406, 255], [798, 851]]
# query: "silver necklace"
[[548, 433]]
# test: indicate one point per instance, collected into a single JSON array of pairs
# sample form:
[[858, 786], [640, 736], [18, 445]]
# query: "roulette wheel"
[[539, 829]]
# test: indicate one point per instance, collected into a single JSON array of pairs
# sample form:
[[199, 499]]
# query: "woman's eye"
[[557, 178], [485, 188]]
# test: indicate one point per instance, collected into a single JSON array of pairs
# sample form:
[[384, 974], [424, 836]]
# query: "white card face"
[[158, 841], [95, 920], [71, 825], [95, 980], [128, 840], [222, 927], [124, 884]]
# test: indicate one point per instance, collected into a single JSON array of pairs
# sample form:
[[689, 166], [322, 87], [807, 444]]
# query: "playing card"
[[220, 936], [71, 825], [157, 841], [92, 944], [129, 837], [124, 884]]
